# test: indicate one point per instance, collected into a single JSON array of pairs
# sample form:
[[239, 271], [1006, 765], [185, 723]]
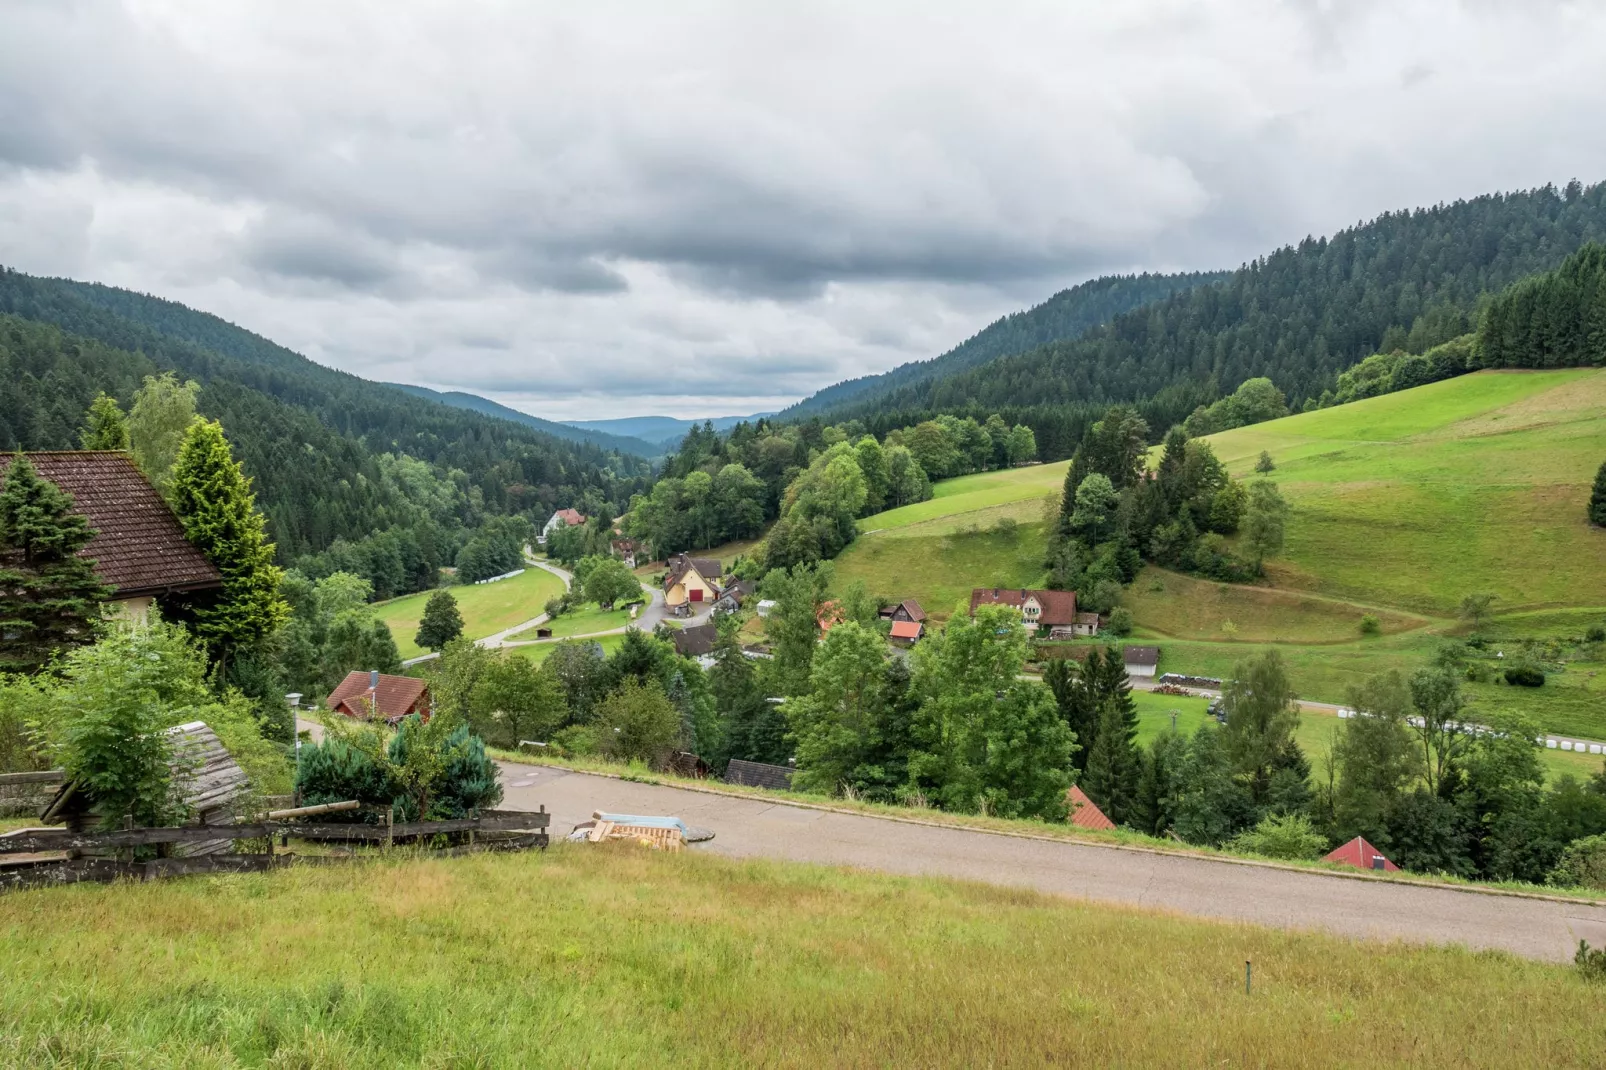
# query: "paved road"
[[1203, 887]]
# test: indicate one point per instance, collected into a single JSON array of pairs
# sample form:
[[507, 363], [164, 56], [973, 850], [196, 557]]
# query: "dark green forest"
[[1407, 280], [1068, 314], [1554, 320], [314, 441]]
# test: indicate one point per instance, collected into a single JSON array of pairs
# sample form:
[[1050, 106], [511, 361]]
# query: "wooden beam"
[[28, 841], [46, 776]]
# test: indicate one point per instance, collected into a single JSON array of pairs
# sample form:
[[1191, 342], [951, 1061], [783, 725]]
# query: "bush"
[[577, 741], [1525, 676], [638, 722], [1596, 634], [335, 771], [1289, 836], [1370, 625], [555, 607], [1120, 621], [1582, 865], [1591, 962]]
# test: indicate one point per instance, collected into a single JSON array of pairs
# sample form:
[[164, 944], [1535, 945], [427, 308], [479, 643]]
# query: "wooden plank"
[[28, 841], [46, 776]]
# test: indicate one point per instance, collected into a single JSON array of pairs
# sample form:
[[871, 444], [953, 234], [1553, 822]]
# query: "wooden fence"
[[486, 830]]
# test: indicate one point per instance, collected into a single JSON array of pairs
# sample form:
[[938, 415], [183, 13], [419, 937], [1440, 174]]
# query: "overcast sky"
[[594, 210]]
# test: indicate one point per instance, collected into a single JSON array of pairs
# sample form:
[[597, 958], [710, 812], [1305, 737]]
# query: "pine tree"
[[1597, 500], [1114, 768], [212, 497], [49, 596], [441, 622], [104, 428]]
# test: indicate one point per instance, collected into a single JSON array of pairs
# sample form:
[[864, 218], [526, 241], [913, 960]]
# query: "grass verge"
[[487, 608]]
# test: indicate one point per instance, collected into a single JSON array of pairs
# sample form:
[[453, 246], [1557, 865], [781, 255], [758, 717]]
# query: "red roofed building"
[[907, 629], [374, 695], [1085, 812], [1047, 610], [1361, 855], [139, 548]]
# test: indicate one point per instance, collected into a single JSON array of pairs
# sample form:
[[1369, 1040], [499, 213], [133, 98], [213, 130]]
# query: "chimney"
[[373, 679]]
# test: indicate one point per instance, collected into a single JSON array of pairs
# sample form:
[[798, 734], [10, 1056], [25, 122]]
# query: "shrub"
[[1289, 836], [638, 721], [1582, 865], [579, 741], [335, 771], [1370, 625], [1591, 962], [1525, 676], [1120, 621], [555, 607], [1596, 634], [470, 781]]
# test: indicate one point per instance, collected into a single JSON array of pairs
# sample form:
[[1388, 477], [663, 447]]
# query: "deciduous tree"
[[441, 622], [163, 410]]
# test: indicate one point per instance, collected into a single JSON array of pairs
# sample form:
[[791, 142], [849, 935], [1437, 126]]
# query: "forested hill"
[[1299, 316], [458, 399], [1068, 314], [312, 438]]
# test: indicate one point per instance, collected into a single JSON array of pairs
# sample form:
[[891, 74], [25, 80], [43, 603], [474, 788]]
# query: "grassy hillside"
[[1402, 505], [616, 956], [487, 608]]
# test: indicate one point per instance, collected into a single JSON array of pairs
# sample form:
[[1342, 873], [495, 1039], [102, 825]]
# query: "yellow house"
[[692, 583]]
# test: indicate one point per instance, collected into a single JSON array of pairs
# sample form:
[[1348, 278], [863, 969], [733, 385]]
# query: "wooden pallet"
[[659, 839]]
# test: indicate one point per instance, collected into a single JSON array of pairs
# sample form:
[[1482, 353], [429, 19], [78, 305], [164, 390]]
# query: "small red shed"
[[1361, 855]]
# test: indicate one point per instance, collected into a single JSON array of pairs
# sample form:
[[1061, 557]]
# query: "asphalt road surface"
[[1206, 888]]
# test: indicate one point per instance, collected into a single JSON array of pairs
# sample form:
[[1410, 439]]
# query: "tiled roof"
[[138, 547], [707, 567], [690, 642], [1085, 812], [1142, 655], [570, 517], [1059, 607], [906, 629], [911, 607], [393, 699], [759, 774], [1359, 853]]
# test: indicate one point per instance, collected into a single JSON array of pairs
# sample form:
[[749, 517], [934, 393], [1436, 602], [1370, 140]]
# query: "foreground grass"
[[615, 956], [486, 608]]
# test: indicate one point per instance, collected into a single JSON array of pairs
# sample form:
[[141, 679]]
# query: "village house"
[[1086, 626], [734, 595], [139, 549], [695, 642], [1142, 660], [626, 550], [690, 583], [1040, 611], [907, 610], [567, 517], [376, 696]]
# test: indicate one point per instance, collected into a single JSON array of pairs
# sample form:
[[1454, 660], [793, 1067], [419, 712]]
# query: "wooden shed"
[[208, 781]]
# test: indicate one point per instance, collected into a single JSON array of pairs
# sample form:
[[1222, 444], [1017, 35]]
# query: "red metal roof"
[[138, 547], [1085, 812], [1360, 854], [906, 629], [393, 699]]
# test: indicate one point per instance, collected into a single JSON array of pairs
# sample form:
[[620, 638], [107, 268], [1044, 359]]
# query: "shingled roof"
[[1059, 607], [389, 698], [138, 547]]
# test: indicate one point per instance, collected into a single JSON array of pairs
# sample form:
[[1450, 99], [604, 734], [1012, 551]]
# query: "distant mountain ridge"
[[457, 399], [666, 431], [1068, 314]]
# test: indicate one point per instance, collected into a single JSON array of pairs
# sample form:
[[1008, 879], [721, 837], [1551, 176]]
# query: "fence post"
[[390, 821]]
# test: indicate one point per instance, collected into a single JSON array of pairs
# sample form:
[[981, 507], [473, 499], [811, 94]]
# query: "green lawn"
[[616, 956], [539, 652], [584, 620], [487, 608], [971, 493], [940, 570]]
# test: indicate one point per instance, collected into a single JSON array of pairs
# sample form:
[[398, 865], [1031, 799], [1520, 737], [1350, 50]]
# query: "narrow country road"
[[1227, 891]]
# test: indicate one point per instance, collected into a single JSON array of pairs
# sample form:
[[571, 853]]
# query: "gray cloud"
[[612, 208]]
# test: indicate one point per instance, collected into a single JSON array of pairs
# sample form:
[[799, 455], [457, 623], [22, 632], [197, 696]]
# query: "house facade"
[[1041, 611], [1142, 660], [907, 611], [139, 549], [567, 517], [691, 583]]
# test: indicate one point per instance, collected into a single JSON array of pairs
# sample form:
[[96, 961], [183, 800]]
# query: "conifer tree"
[[212, 497], [441, 622], [1597, 500], [49, 596], [104, 427]]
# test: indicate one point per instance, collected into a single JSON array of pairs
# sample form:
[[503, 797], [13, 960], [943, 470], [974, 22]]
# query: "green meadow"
[[615, 956], [487, 608]]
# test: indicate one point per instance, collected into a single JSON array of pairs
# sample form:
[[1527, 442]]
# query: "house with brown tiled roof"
[[139, 549], [908, 610], [571, 518], [690, 582], [373, 696], [1039, 610]]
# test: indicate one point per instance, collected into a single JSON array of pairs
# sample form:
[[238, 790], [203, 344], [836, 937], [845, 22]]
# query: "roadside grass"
[[725, 553], [967, 494], [585, 620], [611, 955], [940, 570], [539, 652], [487, 608]]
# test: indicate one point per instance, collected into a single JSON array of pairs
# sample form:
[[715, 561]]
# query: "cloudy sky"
[[594, 210]]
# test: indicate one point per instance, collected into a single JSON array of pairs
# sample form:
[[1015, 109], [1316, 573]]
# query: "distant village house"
[[690, 583], [377, 696], [1045, 612], [139, 549], [567, 517], [1142, 660]]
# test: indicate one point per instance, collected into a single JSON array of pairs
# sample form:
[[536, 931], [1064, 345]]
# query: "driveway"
[[1225, 891]]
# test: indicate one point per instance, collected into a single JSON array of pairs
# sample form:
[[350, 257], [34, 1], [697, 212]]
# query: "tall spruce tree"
[[49, 596], [441, 622], [104, 427], [1597, 500], [212, 497]]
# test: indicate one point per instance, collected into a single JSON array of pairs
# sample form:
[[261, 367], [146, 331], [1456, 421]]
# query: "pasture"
[[617, 956], [487, 608]]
